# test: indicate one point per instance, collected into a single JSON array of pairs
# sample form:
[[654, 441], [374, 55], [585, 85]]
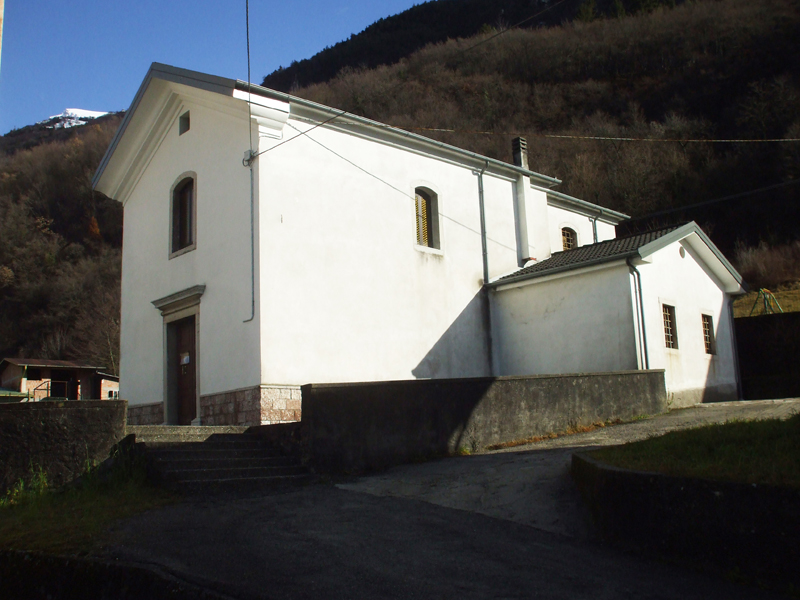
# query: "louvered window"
[[427, 218]]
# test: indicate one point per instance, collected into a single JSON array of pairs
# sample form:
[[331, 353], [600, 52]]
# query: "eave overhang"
[[157, 102]]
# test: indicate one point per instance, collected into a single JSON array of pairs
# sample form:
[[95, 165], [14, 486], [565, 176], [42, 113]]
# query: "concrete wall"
[[579, 321], [747, 529], [213, 149], [59, 437], [366, 426], [692, 376], [769, 352]]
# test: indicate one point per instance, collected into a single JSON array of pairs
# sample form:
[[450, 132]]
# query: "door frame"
[[175, 307]]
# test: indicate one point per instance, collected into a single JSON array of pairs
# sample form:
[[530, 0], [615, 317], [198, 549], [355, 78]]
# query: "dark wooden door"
[[187, 390]]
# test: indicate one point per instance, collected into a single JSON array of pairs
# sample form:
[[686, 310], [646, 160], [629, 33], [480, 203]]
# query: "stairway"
[[222, 459]]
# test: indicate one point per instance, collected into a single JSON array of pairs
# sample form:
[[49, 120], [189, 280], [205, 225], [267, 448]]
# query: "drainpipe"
[[249, 159], [638, 278], [487, 309], [483, 223]]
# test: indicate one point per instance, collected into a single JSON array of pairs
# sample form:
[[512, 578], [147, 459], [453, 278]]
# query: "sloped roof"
[[45, 362], [640, 245], [591, 254]]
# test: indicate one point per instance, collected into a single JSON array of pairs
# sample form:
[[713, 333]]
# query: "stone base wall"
[[61, 438], [146, 414], [259, 405]]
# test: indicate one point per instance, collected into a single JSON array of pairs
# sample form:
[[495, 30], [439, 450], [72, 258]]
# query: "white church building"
[[271, 241]]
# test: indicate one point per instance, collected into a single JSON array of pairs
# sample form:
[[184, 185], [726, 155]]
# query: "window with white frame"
[[426, 207]]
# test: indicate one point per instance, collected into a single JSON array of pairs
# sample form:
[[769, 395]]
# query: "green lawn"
[[74, 521], [763, 452], [789, 300]]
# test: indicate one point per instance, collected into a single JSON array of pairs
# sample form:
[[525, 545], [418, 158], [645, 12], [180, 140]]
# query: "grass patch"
[[787, 296], [75, 520], [763, 452]]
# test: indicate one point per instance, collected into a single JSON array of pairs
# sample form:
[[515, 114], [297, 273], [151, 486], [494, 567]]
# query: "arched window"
[[183, 216], [569, 239], [426, 205]]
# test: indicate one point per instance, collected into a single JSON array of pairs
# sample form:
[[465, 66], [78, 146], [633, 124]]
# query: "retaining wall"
[[730, 528], [59, 437], [367, 426]]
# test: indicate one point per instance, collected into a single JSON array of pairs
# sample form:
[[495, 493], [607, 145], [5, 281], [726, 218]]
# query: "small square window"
[[183, 123], [670, 327], [708, 335]]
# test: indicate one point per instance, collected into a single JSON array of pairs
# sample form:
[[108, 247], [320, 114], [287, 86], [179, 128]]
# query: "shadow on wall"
[[463, 350], [367, 426]]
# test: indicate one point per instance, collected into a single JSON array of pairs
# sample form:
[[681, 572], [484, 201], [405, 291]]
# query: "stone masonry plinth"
[[260, 405]]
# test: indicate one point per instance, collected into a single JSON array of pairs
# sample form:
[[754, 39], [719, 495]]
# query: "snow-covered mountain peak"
[[72, 117]]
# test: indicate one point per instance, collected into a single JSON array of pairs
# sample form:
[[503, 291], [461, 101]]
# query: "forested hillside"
[[59, 246], [726, 69], [388, 40]]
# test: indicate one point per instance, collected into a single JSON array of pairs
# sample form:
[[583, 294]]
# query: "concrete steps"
[[220, 459]]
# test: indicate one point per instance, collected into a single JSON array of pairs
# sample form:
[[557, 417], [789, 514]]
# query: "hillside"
[[388, 40], [726, 69], [59, 246]]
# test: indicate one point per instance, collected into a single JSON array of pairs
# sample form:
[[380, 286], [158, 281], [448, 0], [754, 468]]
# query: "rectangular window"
[[708, 334], [183, 227], [423, 210], [670, 328], [426, 206]]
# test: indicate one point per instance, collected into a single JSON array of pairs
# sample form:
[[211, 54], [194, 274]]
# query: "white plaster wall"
[[346, 293], [581, 322], [558, 218], [228, 348], [538, 225], [692, 376]]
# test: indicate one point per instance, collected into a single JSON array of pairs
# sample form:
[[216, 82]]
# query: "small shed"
[[34, 379]]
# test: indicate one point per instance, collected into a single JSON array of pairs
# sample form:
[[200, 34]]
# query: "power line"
[[499, 33], [383, 181], [723, 199], [590, 137]]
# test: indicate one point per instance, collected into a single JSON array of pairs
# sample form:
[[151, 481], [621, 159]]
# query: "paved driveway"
[[531, 484], [500, 525]]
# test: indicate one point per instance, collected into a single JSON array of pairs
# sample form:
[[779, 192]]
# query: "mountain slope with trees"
[[60, 247], [723, 69]]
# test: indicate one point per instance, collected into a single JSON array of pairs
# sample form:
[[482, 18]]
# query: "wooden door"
[[186, 368]]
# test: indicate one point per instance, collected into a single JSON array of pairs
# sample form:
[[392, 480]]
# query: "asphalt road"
[[500, 526]]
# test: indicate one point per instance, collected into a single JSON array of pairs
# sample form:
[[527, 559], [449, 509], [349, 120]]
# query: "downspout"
[[594, 228], [483, 223], [249, 159], [487, 309], [638, 277]]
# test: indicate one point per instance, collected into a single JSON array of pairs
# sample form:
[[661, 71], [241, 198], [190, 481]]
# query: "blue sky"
[[93, 55]]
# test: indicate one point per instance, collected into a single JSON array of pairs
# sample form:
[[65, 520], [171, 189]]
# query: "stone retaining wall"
[[58, 437], [365, 426], [146, 414]]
